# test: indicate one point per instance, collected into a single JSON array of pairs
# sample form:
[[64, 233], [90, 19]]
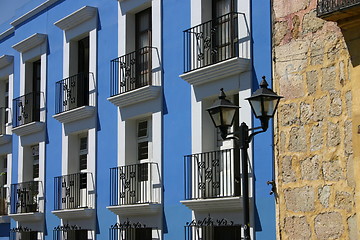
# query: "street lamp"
[[264, 103]]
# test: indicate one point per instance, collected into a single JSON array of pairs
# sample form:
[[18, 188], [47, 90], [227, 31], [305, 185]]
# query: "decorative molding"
[[5, 139], [27, 217], [33, 12], [136, 96], [74, 213], [136, 209], [217, 204], [217, 71], [7, 33], [6, 60], [75, 114], [76, 18], [30, 42], [29, 128]]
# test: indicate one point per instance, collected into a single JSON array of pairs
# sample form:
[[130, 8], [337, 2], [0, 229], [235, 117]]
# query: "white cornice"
[[29, 128], [30, 42], [33, 12], [5, 60], [217, 71], [75, 114], [82, 15], [136, 209], [7, 33], [136, 96], [214, 204]]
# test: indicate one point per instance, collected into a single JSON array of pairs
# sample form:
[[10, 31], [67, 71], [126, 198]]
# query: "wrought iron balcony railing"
[[23, 233], [134, 184], [131, 71], [3, 120], [26, 109], [210, 229], [325, 7], [72, 92], [25, 197], [212, 174], [73, 191], [211, 42], [68, 232], [130, 231], [3, 201]]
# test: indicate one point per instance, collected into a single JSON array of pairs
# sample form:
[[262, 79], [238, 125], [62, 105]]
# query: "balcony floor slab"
[[78, 213], [27, 217], [75, 114], [214, 204], [29, 128], [136, 209]]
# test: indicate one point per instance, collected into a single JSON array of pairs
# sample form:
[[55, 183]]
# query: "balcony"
[[212, 180], [4, 117], [132, 78], [23, 233], [131, 231], [25, 199], [74, 196], [211, 229], [68, 232], [212, 50], [135, 189], [339, 10], [72, 100], [26, 116]]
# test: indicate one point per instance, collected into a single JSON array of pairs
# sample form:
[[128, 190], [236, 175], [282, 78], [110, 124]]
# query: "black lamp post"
[[263, 103]]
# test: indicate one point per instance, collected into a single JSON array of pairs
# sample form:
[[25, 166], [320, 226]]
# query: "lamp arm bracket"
[[251, 136]]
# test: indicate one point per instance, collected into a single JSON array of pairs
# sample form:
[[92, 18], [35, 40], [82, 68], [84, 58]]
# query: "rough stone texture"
[[335, 103], [280, 30], [348, 137], [329, 225], [288, 113], [305, 113], [311, 23], [344, 200], [310, 168], [348, 100], [299, 199], [297, 139], [297, 228], [333, 134], [317, 51], [328, 78], [295, 26], [282, 143], [350, 171], [324, 195], [312, 81], [288, 173], [284, 7], [320, 108], [352, 227], [342, 78], [332, 171], [316, 137]]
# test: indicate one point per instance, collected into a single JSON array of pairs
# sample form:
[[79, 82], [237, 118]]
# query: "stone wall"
[[313, 127]]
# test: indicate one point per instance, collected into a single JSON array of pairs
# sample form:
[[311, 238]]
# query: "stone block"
[[288, 114], [297, 228], [329, 225], [284, 7], [348, 102], [320, 108], [344, 200], [328, 78], [333, 134], [297, 139], [299, 199], [335, 103], [348, 137], [324, 195], [305, 113], [280, 30], [316, 137], [312, 81], [332, 170], [311, 23], [288, 174], [352, 227], [310, 168]]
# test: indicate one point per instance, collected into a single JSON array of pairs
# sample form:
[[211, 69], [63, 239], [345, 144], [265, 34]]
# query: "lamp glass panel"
[[269, 106], [256, 106], [215, 116], [228, 116]]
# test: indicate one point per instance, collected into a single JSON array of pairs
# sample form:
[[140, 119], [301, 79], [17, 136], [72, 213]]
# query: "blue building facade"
[[104, 129]]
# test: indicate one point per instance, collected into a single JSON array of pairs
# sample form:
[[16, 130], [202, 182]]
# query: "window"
[[32, 235], [35, 158], [83, 152], [143, 140], [3, 172]]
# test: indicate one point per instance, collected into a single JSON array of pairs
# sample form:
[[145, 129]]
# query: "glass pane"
[[215, 116], [256, 106], [142, 129], [142, 150], [228, 116], [83, 162]]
